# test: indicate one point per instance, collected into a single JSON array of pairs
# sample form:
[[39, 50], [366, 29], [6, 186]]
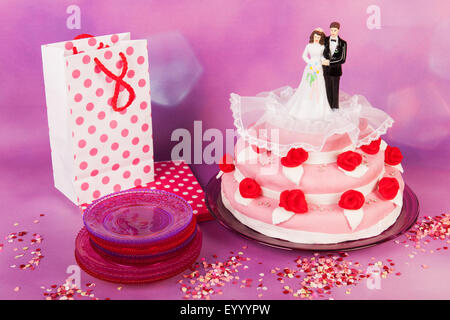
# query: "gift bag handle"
[[118, 79]]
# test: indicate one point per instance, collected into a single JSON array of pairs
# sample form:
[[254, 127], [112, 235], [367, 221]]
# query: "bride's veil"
[[263, 120]]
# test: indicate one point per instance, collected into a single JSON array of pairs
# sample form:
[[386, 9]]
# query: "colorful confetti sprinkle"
[[435, 230], [69, 291], [315, 277], [36, 254], [207, 279]]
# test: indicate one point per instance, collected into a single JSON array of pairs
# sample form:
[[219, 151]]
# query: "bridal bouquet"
[[313, 71]]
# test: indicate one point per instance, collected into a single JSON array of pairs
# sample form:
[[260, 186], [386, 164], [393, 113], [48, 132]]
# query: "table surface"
[[31, 204]]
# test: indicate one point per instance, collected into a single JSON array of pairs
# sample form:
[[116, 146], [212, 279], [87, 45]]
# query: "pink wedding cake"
[[318, 181]]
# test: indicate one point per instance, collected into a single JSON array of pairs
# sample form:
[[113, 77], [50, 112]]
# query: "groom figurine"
[[335, 53]]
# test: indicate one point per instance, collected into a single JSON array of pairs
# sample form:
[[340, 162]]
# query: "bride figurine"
[[310, 99]]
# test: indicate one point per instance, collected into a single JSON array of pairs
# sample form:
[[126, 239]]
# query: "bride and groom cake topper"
[[318, 92]]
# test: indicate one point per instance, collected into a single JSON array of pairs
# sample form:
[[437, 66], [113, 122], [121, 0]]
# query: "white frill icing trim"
[[270, 107], [381, 130], [294, 174], [247, 155], [315, 198], [240, 199], [298, 236], [280, 215], [354, 217], [398, 200], [357, 173]]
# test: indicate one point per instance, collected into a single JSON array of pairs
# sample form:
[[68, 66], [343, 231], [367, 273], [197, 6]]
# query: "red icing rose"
[[249, 188], [373, 147], [351, 200], [226, 164], [388, 188], [293, 200], [392, 156], [349, 160], [294, 158]]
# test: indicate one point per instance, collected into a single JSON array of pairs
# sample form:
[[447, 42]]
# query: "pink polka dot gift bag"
[[99, 115]]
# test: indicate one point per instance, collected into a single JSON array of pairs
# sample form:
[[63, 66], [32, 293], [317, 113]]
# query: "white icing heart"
[[280, 215], [398, 200], [357, 173], [383, 145], [248, 155], [240, 199], [219, 174], [398, 167], [293, 174], [354, 217]]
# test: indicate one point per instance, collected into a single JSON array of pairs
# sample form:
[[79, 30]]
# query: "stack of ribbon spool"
[[138, 236]]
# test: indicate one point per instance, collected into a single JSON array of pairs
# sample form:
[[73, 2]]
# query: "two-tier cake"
[[312, 181]]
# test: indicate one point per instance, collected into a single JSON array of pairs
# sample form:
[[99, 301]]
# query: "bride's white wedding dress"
[[310, 99]]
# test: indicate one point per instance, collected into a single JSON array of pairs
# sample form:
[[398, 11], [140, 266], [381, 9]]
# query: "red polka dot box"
[[98, 105], [177, 177]]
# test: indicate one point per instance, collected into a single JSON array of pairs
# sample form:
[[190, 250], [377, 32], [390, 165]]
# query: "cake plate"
[[405, 221]]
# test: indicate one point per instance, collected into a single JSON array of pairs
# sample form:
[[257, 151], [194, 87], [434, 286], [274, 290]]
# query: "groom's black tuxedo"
[[336, 59], [333, 72]]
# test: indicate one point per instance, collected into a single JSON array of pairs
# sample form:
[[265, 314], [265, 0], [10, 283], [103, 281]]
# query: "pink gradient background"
[[244, 47]]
